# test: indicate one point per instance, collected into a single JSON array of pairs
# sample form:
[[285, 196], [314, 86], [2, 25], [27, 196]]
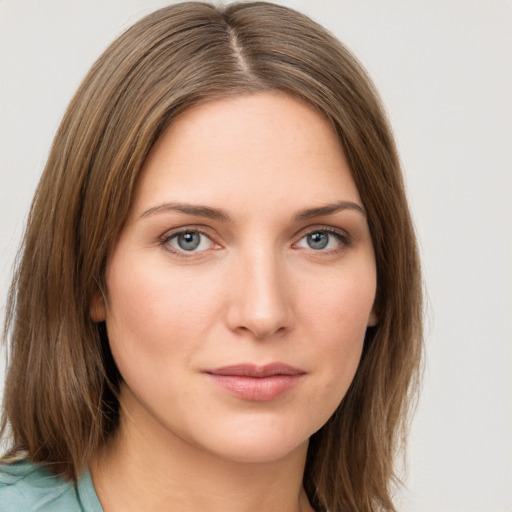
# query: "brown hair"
[[60, 400]]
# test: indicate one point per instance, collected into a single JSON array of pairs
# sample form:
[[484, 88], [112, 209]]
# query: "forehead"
[[266, 147]]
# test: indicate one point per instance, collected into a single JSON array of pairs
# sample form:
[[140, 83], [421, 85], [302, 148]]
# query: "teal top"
[[25, 487]]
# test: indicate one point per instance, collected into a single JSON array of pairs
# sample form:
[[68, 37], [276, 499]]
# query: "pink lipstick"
[[256, 383]]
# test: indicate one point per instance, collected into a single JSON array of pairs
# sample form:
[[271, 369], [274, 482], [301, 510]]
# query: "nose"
[[259, 302]]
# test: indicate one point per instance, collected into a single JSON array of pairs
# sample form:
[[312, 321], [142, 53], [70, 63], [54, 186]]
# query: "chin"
[[257, 440], [265, 450]]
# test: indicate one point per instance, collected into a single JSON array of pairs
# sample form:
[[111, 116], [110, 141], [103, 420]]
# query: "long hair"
[[60, 403]]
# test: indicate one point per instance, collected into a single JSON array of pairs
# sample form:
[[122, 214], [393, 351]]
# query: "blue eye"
[[317, 240], [189, 241], [321, 240]]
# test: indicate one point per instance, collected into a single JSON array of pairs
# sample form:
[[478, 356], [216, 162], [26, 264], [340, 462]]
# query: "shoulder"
[[31, 488]]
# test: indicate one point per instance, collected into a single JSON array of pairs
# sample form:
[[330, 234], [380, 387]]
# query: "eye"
[[322, 240], [188, 241]]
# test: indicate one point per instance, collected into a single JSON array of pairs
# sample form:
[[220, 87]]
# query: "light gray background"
[[444, 69]]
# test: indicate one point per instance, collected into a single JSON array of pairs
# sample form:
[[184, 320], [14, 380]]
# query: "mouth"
[[256, 383]]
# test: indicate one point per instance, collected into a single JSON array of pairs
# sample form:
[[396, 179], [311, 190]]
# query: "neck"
[[154, 470]]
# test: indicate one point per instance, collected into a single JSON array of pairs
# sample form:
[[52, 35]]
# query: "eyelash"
[[167, 237], [341, 235]]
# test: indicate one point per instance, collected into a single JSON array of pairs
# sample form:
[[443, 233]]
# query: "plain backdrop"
[[444, 70]]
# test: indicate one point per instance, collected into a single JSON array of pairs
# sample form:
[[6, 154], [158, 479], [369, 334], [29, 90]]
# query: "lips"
[[256, 383]]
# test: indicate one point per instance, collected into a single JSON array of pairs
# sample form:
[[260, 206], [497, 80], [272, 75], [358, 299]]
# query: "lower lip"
[[257, 389]]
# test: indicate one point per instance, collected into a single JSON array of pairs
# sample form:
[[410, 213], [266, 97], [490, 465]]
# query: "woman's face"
[[243, 282]]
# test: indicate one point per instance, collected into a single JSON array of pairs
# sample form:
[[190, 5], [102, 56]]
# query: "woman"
[[218, 306]]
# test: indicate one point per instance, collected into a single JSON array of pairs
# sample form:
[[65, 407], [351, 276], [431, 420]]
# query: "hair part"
[[60, 402]]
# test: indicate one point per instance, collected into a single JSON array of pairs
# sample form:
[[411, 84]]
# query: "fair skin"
[[239, 294]]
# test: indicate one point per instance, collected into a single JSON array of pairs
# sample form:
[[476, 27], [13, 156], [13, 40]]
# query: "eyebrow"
[[218, 214], [327, 210], [189, 209]]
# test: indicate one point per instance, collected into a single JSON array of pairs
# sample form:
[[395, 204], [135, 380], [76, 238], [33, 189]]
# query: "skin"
[[254, 291]]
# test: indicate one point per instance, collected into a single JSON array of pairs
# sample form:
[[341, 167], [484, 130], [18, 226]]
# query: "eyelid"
[[323, 228], [168, 235], [342, 235]]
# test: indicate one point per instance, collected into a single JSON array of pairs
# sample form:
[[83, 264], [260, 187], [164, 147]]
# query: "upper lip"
[[255, 371]]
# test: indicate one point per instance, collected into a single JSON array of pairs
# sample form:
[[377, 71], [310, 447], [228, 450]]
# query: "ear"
[[97, 309]]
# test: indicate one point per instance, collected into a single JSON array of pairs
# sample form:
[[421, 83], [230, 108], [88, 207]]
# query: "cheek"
[[341, 306], [156, 313], [338, 316]]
